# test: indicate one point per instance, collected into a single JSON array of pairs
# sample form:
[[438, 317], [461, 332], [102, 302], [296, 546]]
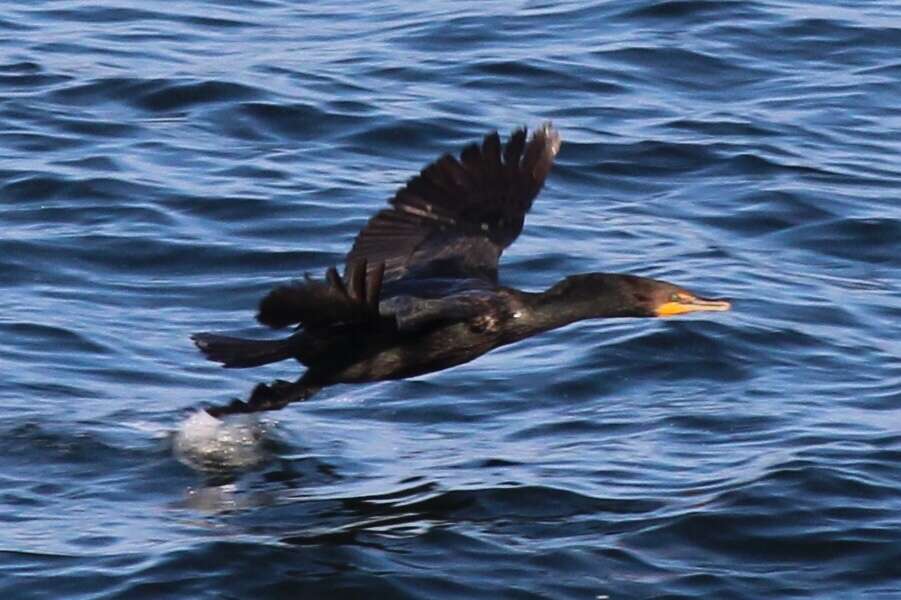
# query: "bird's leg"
[[272, 396]]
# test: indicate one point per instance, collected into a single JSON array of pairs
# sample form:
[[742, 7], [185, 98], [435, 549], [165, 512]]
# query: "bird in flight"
[[420, 290]]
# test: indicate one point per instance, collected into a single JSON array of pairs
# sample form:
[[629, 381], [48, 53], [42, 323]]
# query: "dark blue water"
[[163, 164]]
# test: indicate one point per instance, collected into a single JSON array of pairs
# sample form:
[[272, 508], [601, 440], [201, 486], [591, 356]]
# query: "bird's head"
[[619, 295]]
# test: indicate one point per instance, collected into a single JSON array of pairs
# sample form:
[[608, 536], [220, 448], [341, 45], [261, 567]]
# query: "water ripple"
[[163, 167]]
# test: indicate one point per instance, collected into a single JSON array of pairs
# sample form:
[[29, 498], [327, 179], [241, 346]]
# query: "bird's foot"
[[272, 396]]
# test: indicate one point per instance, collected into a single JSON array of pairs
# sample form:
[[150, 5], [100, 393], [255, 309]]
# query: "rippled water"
[[165, 163]]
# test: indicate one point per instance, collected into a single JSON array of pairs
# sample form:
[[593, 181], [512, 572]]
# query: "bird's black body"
[[420, 290]]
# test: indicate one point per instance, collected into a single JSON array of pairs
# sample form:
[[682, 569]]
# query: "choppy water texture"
[[164, 163]]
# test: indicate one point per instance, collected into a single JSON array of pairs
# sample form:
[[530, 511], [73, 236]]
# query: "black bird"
[[420, 291]]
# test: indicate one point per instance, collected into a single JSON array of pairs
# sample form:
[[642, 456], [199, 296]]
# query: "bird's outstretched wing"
[[456, 217]]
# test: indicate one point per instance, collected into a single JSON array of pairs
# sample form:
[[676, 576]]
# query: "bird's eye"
[[675, 298]]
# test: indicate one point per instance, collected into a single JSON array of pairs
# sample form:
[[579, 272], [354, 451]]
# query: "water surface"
[[165, 163]]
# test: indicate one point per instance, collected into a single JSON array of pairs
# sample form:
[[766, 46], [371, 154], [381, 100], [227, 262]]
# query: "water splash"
[[206, 443]]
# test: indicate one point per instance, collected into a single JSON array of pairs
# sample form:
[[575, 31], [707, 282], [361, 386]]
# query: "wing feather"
[[458, 215], [313, 303]]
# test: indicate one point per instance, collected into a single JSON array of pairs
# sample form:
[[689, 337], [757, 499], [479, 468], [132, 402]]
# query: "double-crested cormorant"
[[420, 291]]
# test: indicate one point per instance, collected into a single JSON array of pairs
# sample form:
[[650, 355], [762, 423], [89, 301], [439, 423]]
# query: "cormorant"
[[420, 290]]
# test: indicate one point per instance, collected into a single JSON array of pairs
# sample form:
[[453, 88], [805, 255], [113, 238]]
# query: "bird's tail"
[[238, 353]]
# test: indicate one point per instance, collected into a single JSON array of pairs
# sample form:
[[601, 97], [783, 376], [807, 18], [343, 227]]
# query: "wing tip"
[[549, 137]]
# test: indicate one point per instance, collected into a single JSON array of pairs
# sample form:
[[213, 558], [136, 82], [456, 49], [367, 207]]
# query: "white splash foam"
[[210, 444]]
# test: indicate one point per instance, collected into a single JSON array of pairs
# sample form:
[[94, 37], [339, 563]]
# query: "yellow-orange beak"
[[687, 304]]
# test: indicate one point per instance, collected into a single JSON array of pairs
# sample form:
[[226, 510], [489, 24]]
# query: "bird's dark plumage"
[[420, 288], [312, 303], [457, 216]]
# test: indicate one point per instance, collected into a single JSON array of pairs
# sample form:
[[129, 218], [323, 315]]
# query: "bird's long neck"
[[565, 303], [545, 313]]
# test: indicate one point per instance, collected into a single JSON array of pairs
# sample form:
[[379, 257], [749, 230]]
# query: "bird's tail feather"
[[238, 353]]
